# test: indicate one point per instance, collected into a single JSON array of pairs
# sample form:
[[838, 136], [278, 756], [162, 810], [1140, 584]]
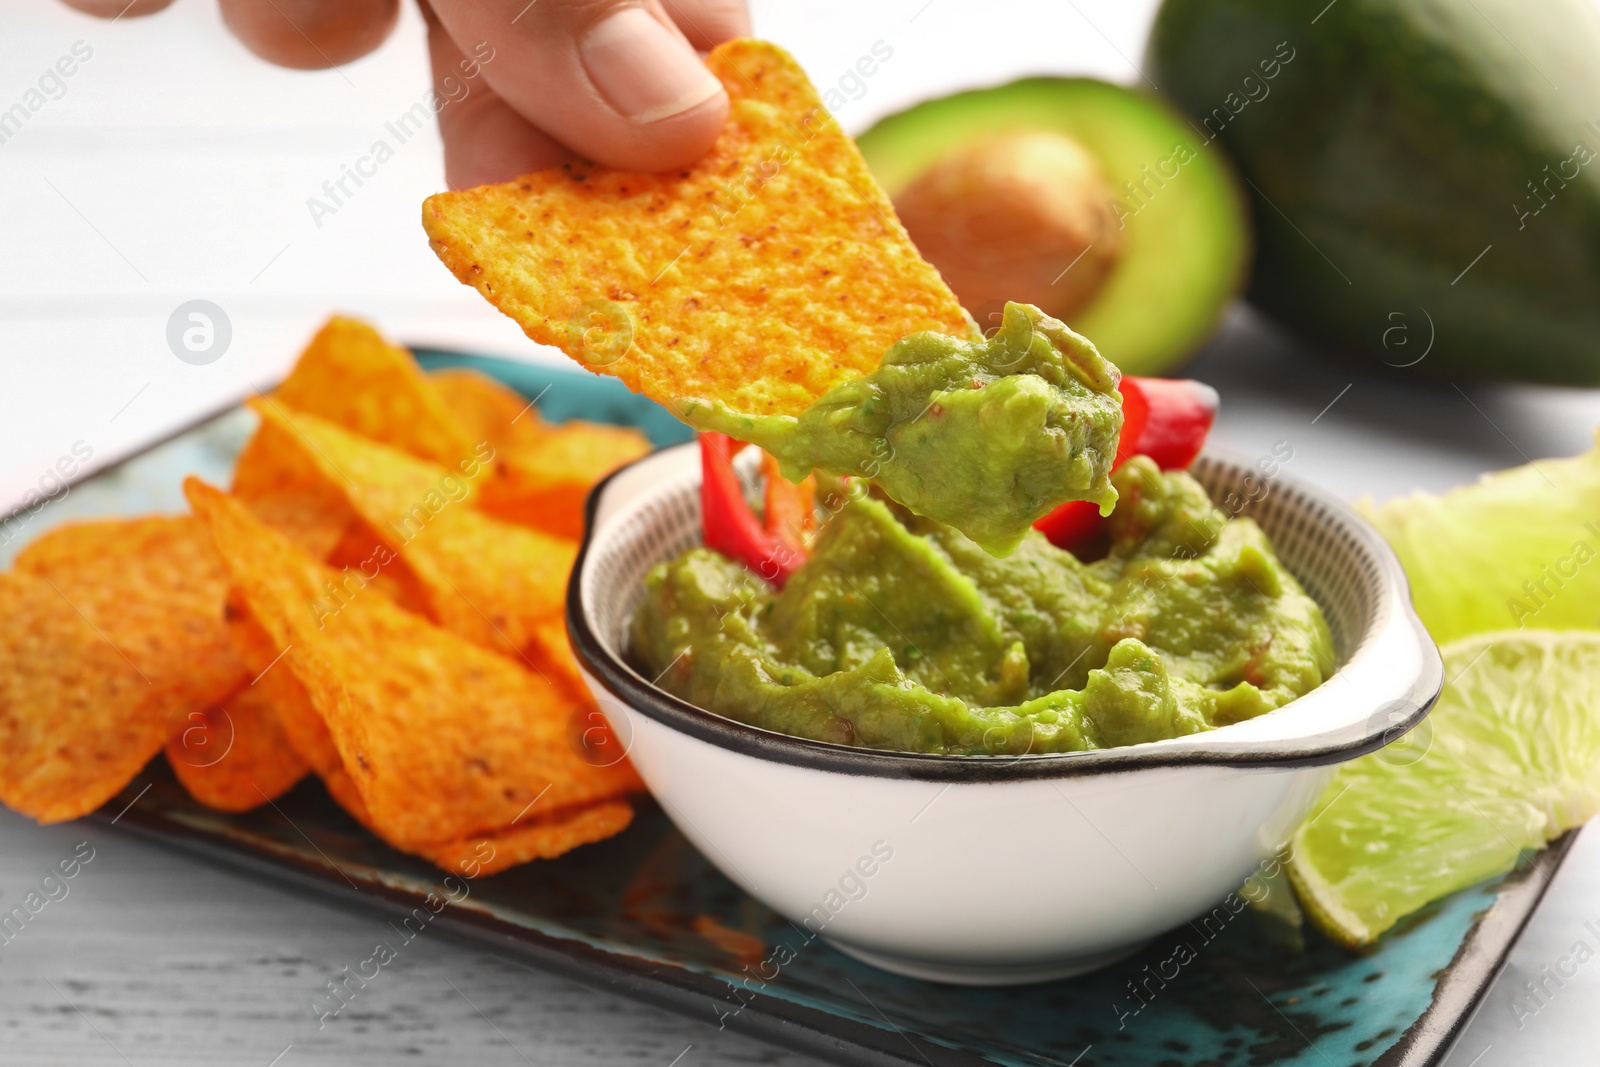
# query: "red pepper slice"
[[1074, 525], [1179, 413], [1167, 419], [728, 523], [790, 506]]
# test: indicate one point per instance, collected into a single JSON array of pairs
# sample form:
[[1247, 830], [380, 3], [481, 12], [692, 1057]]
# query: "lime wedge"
[[1519, 548], [1508, 759]]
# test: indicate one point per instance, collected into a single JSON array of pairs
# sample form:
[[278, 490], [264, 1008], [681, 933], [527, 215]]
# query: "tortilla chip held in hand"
[[764, 274]]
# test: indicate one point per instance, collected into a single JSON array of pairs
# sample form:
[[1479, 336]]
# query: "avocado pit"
[[1024, 215]]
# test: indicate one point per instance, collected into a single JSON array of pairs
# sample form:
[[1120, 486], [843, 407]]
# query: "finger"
[[614, 80], [116, 9], [707, 23], [485, 140], [310, 34]]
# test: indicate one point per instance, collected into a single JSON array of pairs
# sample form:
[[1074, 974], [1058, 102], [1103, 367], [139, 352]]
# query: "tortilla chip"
[[315, 521], [302, 726], [487, 580], [542, 473], [234, 756], [489, 411], [589, 449], [154, 587], [545, 838], [342, 788], [501, 580], [551, 652], [547, 486], [288, 493], [766, 273], [270, 465], [368, 562], [77, 721], [442, 739], [351, 376]]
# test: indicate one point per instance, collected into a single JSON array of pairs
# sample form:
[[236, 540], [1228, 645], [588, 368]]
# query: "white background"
[[177, 166]]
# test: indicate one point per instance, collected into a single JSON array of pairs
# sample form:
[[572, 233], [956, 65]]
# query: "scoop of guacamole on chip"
[[901, 633], [983, 434]]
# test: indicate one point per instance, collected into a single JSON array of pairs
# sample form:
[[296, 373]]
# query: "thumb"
[[613, 80]]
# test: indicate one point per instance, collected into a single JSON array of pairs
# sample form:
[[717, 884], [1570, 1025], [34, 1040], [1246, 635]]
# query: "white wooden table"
[[177, 167]]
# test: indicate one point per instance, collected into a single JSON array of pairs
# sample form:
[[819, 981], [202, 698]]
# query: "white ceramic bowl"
[[995, 870]]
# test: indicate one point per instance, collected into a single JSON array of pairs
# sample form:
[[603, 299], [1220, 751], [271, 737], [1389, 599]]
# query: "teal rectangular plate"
[[646, 915]]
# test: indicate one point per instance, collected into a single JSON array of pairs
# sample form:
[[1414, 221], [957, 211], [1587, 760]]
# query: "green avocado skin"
[[1425, 174]]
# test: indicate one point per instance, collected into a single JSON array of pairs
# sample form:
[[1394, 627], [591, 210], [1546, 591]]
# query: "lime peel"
[[1476, 561], [1508, 760]]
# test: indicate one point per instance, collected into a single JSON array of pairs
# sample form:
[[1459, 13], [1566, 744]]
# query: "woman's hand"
[[615, 81]]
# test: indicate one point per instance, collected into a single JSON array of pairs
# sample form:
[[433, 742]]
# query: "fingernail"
[[643, 69]]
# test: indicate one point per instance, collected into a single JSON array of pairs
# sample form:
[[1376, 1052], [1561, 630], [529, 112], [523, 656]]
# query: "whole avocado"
[[1425, 174]]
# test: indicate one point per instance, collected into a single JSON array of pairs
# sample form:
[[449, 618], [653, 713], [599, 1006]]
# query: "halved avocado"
[[1097, 202]]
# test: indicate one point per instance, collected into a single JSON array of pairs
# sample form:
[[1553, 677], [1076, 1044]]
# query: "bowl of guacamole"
[[993, 769]]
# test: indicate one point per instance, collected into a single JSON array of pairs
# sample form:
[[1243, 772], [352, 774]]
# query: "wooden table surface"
[[153, 957]]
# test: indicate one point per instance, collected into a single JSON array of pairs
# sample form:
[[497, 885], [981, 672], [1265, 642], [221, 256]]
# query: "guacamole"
[[986, 435], [902, 633]]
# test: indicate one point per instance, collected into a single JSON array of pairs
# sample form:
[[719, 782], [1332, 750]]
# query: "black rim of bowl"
[[638, 696]]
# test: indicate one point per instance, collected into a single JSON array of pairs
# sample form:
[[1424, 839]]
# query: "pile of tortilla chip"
[[378, 599]]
